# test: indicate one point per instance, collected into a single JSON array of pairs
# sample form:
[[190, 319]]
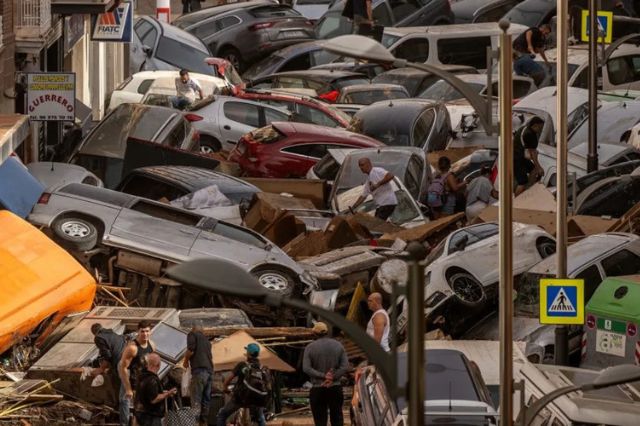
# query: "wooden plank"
[[261, 332]]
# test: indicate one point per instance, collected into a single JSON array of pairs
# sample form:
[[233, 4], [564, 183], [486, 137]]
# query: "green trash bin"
[[611, 324]]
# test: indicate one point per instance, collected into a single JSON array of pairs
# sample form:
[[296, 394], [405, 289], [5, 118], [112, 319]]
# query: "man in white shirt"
[[379, 325], [378, 185], [186, 90]]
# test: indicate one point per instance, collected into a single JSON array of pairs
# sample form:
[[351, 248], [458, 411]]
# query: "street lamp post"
[[608, 377]]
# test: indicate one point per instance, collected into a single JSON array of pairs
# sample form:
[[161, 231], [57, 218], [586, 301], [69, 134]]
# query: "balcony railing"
[[33, 18]]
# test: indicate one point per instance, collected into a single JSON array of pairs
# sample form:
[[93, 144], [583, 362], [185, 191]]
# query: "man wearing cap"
[[325, 362], [199, 358], [240, 371]]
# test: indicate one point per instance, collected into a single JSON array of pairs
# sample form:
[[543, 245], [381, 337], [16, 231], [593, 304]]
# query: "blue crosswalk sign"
[[561, 301]]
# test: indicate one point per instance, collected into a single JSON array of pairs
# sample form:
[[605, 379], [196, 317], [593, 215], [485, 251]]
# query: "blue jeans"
[[232, 406], [180, 102], [526, 65], [201, 380], [124, 406]]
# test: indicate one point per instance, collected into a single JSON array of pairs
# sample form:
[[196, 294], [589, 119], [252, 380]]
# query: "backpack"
[[255, 388], [436, 192]]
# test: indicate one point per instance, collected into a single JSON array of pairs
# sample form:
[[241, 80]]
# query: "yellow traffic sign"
[[561, 301], [605, 26]]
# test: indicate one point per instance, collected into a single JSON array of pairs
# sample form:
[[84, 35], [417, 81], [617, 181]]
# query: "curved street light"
[[365, 48], [608, 377]]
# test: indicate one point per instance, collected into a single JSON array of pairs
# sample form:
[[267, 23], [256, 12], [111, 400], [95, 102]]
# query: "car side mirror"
[[147, 50], [462, 244]]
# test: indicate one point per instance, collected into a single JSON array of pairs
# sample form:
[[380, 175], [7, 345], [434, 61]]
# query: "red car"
[[289, 150], [306, 109]]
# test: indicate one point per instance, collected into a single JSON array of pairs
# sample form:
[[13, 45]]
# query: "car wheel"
[[546, 247], [75, 234], [467, 289], [275, 281], [233, 55], [209, 145]]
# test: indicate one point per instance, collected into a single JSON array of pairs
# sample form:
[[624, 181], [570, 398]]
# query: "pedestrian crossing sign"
[[604, 19], [561, 301]]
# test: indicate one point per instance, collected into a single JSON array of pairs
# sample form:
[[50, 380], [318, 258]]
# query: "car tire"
[[275, 281], [546, 247], [75, 233], [232, 55], [209, 145], [467, 290]]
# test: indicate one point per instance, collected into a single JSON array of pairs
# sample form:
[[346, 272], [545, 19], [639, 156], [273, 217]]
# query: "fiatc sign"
[[51, 96], [561, 301], [114, 26]]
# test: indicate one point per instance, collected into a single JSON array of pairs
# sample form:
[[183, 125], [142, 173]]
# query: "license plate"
[[610, 343], [292, 34]]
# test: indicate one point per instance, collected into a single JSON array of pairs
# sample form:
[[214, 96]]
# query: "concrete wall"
[[7, 61]]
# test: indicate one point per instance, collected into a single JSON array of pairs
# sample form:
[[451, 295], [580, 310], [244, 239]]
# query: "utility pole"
[[505, 249], [561, 333], [594, 31]]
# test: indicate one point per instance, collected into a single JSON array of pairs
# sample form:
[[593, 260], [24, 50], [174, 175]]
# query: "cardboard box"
[[265, 208], [314, 190]]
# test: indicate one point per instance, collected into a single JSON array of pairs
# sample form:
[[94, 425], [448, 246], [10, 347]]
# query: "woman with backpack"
[[441, 193], [252, 389]]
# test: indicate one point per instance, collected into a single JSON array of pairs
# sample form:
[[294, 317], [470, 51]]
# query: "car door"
[[237, 118], [144, 32], [493, 13], [623, 72], [155, 229], [409, 13]]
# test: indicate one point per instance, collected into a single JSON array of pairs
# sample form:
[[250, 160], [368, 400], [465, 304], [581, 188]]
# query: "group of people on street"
[[134, 364]]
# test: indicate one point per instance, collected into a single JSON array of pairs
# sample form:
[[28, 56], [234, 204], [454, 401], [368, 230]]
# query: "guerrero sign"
[[113, 26], [51, 96]]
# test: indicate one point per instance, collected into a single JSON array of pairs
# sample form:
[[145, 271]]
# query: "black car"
[[417, 81], [327, 84], [453, 384], [171, 182], [613, 196], [301, 56], [103, 150], [589, 179], [406, 122], [247, 31], [472, 11], [388, 13]]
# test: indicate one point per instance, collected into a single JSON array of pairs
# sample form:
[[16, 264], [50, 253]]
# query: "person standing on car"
[[252, 389], [480, 193], [359, 12], [130, 366], [525, 47], [525, 144], [199, 358], [186, 90], [378, 185], [379, 325], [325, 362], [441, 193], [150, 398]]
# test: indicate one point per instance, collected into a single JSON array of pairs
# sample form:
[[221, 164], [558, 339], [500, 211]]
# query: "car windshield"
[[404, 212], [526, 15], [371, 96], [110, 137], [350, 81], [262, 66], [183, 56], [410, 82], [443, 91], [326, 168], [528, 297], [351, 176], [275, 11], [333, 24]]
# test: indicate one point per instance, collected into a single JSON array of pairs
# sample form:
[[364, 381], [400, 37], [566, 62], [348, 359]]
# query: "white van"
[[463, 44]]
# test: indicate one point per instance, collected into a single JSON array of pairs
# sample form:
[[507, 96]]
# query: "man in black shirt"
[[525, 143], [525, 47], [241, 371], [199, 358], [149, 394]]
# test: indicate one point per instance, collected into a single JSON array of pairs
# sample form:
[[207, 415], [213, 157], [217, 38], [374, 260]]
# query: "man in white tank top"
[[379, 324]]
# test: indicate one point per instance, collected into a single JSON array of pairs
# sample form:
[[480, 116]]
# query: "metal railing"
[[33, 16]]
